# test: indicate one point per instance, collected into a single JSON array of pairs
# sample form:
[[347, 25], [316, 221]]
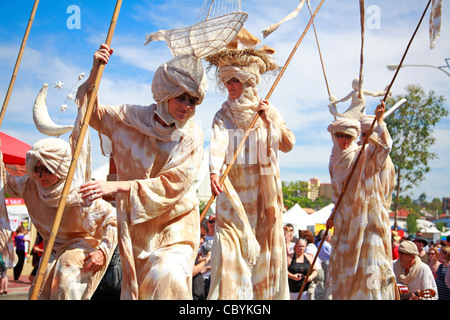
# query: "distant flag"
[[435, 21]]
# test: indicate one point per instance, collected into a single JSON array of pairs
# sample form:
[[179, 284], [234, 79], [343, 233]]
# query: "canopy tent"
[[428, 230], [14, 151], [321, 216], [298, 218]]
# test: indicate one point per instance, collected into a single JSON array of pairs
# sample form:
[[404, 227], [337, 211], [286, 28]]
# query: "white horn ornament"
[[42, 119]]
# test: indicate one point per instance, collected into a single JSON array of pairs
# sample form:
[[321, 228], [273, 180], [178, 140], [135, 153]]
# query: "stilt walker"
[[157, 205], [345, 152], [248, 256]]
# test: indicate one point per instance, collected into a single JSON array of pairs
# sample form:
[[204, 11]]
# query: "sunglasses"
[[340, 135], [211, 221], [41, 170], [186, 98]]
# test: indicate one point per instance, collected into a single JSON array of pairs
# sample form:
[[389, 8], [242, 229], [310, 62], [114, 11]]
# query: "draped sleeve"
[[171, 190]]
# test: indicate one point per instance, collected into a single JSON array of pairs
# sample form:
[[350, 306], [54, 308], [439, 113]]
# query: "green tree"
[[296, 191], [411, 128], [411, 222]]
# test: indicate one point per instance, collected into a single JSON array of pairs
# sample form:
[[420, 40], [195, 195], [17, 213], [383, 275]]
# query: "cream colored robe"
[[81, 231], [6, 243], [361, 260], [248, 255], [159, 227]]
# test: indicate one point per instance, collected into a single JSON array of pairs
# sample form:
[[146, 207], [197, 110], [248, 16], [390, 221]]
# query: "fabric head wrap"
[[55, 154], [345, 125], [341, 160], [242, 109], [229, 72], [172, 79], [366, 122]]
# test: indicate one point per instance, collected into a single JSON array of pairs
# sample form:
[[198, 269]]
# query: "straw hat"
[[242, 52]]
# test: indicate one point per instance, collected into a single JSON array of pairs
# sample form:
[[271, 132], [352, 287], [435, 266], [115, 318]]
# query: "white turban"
[[172, 79], [55, 154], [229, 72], [341, 160], [345, 125], [366, 122]]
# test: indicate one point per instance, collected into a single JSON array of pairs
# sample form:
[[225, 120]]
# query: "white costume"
[[248, 256], [159, 225], [360, 265], [81, 231]]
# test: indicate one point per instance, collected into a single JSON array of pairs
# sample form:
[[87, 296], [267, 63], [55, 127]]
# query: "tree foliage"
[[295, 192], [411, 128]]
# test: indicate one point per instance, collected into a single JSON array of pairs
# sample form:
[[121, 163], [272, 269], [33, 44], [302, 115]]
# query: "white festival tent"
[[323, 214], [301, 220], [298, 218]]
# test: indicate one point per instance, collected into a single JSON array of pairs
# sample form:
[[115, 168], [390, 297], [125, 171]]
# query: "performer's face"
[[44, 176], [234, 87], [343, 140], [181, 107]]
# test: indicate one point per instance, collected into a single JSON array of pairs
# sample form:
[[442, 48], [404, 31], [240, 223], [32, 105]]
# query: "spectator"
[[421, 244], [19, 240], [38, 250], [299, 263], [412, 272], [206, 248], [433, 257], [324, 255], [441, 274], [3, 277]]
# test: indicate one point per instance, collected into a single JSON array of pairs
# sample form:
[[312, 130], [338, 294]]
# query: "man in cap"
[[411, 272], [421, 243]]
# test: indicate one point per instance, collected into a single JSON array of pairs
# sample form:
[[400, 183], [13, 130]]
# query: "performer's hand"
[[93, 190], [102, 55], [263, 108], [216, 189], [379, 112], [330, 223], [94, 261]]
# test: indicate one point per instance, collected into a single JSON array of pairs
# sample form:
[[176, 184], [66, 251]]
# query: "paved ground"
[[18, 290]]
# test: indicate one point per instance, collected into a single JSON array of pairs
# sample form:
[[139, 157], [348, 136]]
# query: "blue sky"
[[55, 53]]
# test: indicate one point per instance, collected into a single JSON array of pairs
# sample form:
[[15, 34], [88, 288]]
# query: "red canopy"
[[14, 151]]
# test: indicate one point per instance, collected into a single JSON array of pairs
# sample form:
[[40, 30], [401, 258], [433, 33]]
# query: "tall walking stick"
[[73, 164], [18, 60], [362, 148], [255, 119]]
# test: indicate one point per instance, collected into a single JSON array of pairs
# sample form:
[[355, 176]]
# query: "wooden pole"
[[18, 60], [362, 148], [255, 118], [68, 182]]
